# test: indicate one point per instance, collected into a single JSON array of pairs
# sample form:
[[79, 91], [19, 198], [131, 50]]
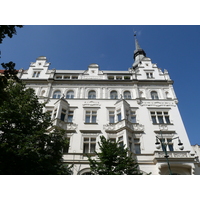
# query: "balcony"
[[174, 156], [124, 124], [68, 126]]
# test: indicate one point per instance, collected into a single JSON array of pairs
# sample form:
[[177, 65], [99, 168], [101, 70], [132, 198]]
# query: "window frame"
[[56, 96], [70, 94], [160, 117], [89, 144], [92, 96], [36, 74], [113, 96], [90, 115], [127, 96], [154, 95]]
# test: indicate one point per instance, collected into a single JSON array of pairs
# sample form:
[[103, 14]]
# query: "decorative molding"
[[157, 104], [91, 104]]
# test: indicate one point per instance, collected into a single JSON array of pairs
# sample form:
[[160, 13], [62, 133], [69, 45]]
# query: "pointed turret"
[[139, 53]]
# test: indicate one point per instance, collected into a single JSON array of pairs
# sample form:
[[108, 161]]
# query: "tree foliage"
[[8, 30], [25, 145], [113, 160]]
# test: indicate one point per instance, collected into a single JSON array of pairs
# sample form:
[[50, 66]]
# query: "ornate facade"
[[136, 107]]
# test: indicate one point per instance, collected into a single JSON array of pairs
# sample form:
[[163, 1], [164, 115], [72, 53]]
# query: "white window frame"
[[70, 115], [127, 96], [36, 74], [113, 96], [160, 116], [70, 94], [91, 113], [155, 95], [57, 95], [90, 140], [92, 94]]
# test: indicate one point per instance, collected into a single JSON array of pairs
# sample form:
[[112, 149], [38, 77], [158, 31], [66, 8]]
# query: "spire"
[[137, 46], [139, 53]]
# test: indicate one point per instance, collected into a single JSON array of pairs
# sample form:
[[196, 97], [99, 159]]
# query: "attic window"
[[149, 75], [111, 77], [36, 74], [39, 63]]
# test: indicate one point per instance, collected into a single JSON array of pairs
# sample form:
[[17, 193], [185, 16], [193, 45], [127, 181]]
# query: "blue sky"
[[175, 48]]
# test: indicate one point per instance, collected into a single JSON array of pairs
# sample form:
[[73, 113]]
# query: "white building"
[[133, 106]]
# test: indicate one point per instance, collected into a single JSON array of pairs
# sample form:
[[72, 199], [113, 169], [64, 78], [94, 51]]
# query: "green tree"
[[113, 160], [8, 30], [26, 147], [9, 68]]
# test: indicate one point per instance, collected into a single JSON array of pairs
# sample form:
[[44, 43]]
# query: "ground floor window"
[[89, 144]]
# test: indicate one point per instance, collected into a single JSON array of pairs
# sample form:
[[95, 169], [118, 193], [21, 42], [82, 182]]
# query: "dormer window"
[[149, 74], [36, 74]]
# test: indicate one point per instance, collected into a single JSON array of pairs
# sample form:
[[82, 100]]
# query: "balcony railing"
[[124, 124], [173, 154], [68, 126]]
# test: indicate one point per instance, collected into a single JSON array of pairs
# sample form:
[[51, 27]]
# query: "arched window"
[[154, 95], [57, 94], [127, 95], [113, 94], [92, 94], [70, 94]]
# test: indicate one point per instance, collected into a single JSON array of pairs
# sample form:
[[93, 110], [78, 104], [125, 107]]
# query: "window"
[[121, 142], [58, 77], [137, 146], [90, 116], [160, 117], [66, 77], [57, 94], [118, 78], [130, 143], [36, 74], [127, 95], [111, 77], [70, 94], [170, 145], [70, 116], [113, 95], [66, 148], [92, 94], [111, 116], [149, 75], [54, 114], [113, 140], [133, 117], [74, 77], [89, 145], [154, 95], [62, 116], [119, 115], [167, 143]]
